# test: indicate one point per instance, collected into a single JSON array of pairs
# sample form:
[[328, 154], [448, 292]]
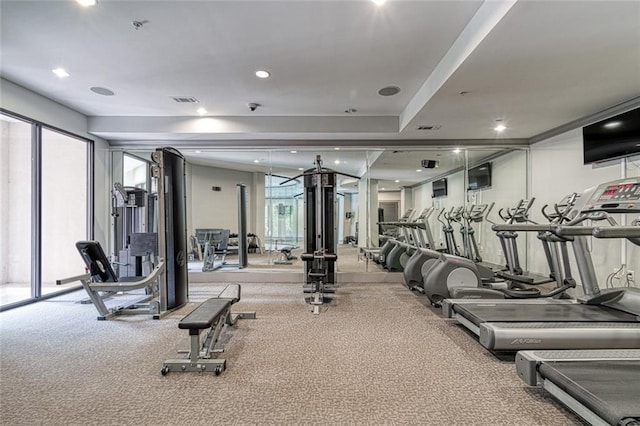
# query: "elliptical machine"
[[475, 214], [460, 278]]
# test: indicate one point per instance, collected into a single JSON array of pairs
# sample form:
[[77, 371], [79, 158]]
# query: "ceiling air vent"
[[425, 127], [185, 99]]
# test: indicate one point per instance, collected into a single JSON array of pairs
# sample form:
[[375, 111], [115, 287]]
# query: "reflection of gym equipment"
[[195, 250], [417, 235], [214, 244], [388, 241], [210, 315], [286, 257]]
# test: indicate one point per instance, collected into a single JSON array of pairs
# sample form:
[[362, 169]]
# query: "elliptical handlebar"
[[438, 218], [519, 213], [561, 209]]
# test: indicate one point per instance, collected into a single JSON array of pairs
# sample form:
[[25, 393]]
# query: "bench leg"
[[200, 354]]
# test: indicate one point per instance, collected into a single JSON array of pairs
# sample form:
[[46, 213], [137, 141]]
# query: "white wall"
[[389, 196], [508, 186], [211, 209], [557, 169], [454, 198]]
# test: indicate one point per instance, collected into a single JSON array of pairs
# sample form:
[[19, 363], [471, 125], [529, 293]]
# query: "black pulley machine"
[[320, 256]]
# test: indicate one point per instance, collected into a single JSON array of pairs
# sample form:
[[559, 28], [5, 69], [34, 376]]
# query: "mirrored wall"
[[373, 186]]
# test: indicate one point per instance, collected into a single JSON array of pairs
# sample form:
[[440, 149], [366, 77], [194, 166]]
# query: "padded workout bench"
[[211, 314]]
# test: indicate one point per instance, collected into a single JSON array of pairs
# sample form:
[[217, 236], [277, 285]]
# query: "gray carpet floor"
[[375, 355]]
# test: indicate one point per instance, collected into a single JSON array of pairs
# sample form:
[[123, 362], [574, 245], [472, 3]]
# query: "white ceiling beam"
[[485, 19], [242, 124]]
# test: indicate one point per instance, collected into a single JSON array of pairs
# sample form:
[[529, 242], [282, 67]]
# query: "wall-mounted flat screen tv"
[[615, 137], [480, 177], [439, 188]]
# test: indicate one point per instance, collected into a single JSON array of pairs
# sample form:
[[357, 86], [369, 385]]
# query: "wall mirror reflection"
[[433, 190]]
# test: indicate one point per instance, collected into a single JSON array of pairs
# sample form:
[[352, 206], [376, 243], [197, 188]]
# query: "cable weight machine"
[[320, 256]]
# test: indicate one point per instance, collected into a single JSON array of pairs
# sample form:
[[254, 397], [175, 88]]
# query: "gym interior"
[[387, 212]]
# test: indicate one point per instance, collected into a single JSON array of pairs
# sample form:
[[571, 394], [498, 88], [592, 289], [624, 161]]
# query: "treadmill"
[[601, 319], [601, 386]]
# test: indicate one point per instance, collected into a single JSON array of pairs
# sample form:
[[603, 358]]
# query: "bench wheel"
[[217, 371], [165, 370]]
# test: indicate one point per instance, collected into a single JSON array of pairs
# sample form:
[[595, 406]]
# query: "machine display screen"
[[621, 192]]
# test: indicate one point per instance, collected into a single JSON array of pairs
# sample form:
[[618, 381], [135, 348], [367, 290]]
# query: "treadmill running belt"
[[548, 312], [611, 389]]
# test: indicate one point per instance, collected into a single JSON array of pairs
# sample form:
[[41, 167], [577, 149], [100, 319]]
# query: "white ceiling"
[[535, 65]]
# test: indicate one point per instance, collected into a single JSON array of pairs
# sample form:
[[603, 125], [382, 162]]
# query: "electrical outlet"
[[631, 276]]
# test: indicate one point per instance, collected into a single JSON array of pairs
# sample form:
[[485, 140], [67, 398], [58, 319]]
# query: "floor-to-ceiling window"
[[15, 210], [283, 202], [64, 206], [45, 199]]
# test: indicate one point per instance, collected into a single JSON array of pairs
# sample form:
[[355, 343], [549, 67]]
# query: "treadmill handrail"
[[566, 231], [617, 232], [524, 227]]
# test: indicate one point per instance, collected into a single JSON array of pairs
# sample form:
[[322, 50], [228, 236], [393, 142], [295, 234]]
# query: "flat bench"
[[210, 315]]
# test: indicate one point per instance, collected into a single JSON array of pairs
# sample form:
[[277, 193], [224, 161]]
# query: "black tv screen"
[[615, 137], [480, 176], [439, 188]]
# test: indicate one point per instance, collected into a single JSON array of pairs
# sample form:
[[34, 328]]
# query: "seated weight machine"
[[214, 244], [155, 262]]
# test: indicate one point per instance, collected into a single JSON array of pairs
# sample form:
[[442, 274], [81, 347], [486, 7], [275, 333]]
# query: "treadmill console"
[[620, 196]]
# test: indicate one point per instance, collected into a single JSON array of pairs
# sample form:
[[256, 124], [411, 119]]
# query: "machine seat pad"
[[205, 314]]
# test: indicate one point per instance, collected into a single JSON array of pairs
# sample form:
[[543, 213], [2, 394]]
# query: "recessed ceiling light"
[[86, 2], [198, 152], [60, 72], [378, 2], [457, 151], [293, 151], [336, 162], [256, 161], [396, 181], [263, 74], [301, 168], [202, 111], [613, 124], [382, 189], [500, 128], [418, 170], [337, 148]]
